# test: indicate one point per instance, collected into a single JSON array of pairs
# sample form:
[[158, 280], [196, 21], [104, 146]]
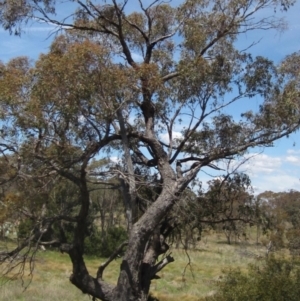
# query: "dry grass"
[[179, 280], [192, 282]]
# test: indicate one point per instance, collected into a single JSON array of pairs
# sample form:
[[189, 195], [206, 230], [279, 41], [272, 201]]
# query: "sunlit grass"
[[182, 280], [205, 269]]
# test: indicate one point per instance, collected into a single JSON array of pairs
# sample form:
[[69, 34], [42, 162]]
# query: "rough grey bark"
[[128, 179]]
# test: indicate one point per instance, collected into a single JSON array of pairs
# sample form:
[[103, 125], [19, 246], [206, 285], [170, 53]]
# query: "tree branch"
[[160, 265], [110, 259]]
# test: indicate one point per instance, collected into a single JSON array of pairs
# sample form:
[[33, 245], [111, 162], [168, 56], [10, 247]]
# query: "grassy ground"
[[179, 280]]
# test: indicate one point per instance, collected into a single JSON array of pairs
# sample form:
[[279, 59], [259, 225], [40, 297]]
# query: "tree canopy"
[[116, 82]]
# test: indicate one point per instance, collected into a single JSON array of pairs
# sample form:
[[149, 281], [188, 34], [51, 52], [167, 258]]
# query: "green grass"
[[179, 280]]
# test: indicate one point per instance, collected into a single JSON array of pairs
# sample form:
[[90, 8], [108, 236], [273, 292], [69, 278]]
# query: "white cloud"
[[273, 172], [115, 159], [293, 152], [293, 159], [175, 135], [277, 183], [136, 57], [261, 164]]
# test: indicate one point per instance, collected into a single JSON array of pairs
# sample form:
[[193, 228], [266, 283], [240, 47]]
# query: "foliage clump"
[[102, 245], [275, 279]]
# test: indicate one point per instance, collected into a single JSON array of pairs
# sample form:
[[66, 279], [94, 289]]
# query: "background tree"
[[227, 206], [234, 204], [90, 95], [281, 213]]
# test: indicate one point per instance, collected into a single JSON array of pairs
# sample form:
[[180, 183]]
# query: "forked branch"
[[110, 259]]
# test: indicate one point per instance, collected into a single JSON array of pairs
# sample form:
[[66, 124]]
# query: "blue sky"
[[277, 168]]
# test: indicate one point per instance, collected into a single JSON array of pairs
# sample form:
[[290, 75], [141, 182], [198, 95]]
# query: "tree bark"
[[145, 245]]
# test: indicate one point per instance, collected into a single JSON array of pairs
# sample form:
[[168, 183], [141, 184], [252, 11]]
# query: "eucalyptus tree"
[[226, 205], [121, 78], [280, 218], [230, 203]]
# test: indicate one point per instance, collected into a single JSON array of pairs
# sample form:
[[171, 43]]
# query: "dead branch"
[[110, 259]]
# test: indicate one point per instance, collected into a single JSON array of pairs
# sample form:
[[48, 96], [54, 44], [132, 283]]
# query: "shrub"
[[24, 228], [293, 237], [96, 245], [276, 279]]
